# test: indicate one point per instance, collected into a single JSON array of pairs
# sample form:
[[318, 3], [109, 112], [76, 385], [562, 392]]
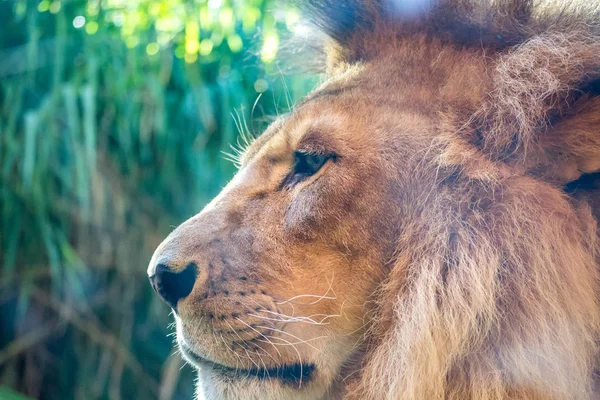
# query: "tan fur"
[[439, 254]]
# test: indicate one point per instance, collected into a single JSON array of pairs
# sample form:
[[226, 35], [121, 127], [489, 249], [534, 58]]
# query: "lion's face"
[[288, 256]]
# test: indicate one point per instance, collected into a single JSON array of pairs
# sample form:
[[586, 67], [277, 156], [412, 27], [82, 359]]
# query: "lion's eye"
[[305, 165], [308, 164]]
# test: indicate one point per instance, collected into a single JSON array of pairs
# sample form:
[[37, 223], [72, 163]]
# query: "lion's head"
[[404, 232]]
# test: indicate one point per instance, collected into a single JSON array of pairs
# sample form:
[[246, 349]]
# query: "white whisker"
[[289, 334], [260, 333]]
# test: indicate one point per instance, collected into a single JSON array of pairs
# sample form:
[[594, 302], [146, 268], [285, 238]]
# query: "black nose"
[[173, 286]]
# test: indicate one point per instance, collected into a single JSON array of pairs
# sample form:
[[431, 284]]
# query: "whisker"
[[282, 317], [303, 318], [287, 319], [232, 351], [254, 105], [319, 297], [294, 336], [299, 359], [288, 97], [260, 333], [299, 342]]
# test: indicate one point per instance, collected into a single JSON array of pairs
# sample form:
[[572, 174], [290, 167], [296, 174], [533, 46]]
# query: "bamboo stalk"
[[27, 341]]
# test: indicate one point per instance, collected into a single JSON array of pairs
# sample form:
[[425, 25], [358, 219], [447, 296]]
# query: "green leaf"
[[7, 393], [31, 127]]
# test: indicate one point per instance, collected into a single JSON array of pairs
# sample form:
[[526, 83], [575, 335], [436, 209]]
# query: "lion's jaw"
[[310, 381]]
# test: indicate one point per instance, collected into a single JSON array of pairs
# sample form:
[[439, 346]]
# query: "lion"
[[423, 225]]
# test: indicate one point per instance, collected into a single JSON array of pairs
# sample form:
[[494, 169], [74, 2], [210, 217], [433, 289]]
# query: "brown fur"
[[438, 254]]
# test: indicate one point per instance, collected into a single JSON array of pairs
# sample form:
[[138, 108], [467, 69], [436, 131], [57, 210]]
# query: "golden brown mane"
[[502, 303]]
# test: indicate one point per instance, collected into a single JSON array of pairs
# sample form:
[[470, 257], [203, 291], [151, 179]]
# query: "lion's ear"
[[543, 111], [343, 24], [360, 30]]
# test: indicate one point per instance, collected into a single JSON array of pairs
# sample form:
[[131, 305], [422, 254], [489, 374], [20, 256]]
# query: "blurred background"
[[115, 120]]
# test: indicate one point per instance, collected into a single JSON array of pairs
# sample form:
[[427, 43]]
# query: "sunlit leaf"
[[270, 47], [152, 48], [43, 6], [226, 19], [206, 47], [132, 41], [91, 27], [192, 46], [292, 17], [191, 58], [55, 7], [235, 43]]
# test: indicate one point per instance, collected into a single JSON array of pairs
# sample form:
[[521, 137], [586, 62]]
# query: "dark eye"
[[308, 164], [305, 165]]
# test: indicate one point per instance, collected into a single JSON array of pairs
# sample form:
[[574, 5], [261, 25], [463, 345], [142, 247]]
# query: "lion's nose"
[[173, 286]]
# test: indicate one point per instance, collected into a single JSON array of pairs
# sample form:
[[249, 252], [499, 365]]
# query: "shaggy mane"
[[503, 302]]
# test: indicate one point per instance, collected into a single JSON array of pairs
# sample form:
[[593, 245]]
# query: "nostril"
[[173, 286]]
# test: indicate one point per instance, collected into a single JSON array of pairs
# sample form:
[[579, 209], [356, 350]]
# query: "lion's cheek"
[[302, 220]]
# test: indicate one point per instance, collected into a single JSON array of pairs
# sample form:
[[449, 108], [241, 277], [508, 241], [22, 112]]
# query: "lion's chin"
[[218, 381], [288, 374]]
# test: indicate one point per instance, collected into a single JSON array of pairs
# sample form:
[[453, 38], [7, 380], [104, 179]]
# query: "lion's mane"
[[503, 301]]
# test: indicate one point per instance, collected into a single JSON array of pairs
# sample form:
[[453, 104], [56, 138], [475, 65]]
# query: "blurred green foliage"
[[114, 116]]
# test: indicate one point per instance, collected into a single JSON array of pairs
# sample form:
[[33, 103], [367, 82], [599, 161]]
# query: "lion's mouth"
[[290, 374]]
